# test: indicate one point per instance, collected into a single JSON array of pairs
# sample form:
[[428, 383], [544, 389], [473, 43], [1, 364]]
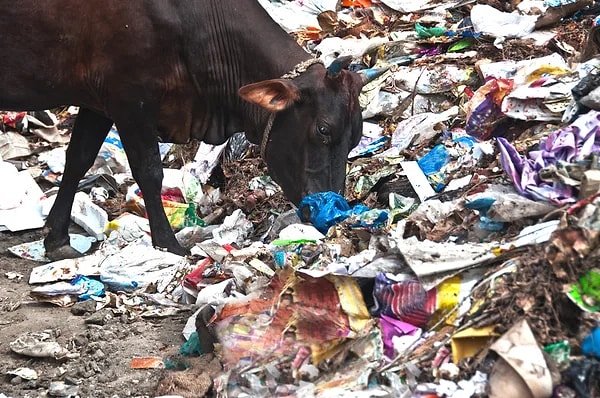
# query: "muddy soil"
[[104, 341]]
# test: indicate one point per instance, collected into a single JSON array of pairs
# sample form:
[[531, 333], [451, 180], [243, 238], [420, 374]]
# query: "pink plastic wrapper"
[[391, 328]]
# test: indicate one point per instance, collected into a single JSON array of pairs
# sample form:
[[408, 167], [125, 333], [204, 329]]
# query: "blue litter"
[[325, 209], [483, 206], [432, 165], [591, 343], [92, 287]]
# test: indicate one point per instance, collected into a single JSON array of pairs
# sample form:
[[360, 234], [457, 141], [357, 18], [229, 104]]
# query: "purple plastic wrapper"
[[570, 144], [391, 328]]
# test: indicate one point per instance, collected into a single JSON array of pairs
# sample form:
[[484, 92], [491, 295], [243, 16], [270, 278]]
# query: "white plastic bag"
[[486, 19]]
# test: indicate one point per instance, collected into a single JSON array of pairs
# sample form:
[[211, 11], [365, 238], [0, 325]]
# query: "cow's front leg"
[[141, 147], [88, 134]]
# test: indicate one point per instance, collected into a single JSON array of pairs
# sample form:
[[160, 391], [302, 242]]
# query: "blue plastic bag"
[[435, 160], [483, 206], [93, 287], [591, 343], [325, 209], [433, 163], [371, 219]]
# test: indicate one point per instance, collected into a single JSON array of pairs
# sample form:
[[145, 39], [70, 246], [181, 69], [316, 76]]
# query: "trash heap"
[[461, 261]]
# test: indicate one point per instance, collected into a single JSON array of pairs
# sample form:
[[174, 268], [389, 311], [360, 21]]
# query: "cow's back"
[[74, 52], [189, 57]]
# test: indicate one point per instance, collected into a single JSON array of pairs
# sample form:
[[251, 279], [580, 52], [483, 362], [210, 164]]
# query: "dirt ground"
[[105, 342]]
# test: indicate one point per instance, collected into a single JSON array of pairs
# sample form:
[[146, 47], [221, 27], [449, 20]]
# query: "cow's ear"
[[273, 95]]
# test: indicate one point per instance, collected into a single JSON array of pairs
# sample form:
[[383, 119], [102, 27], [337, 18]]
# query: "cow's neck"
[[269, 53], [247, 47]]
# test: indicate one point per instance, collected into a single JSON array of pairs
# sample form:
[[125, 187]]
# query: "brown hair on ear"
[[273, 95]]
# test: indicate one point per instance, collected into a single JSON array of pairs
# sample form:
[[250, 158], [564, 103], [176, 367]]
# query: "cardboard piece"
[[520, 351], [469, 342]]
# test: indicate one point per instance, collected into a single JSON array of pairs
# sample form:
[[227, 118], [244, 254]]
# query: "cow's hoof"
[[62, 252], [180, 251]]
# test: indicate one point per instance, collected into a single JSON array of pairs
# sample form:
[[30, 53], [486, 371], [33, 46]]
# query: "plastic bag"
[[111, 158], [325, 209], [91, 287], [489, 20], [433, 164]]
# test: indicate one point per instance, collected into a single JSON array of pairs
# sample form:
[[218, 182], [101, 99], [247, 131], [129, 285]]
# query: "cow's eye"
[[324, 134]]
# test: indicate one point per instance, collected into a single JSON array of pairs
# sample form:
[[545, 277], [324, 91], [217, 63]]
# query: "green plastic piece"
[[426, 33], [461, 45], [191, 347]]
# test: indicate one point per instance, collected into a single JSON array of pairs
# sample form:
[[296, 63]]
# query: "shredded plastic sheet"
[[66, 294], [39, 345], [418, 129], [432, 79], [21, 204], [433, 163], [111, 158], [568, 145], [133, 267], [544, 100], [403, 297], [332, 47], [137, 266], [542, 89], [371, 141], [206, 159], [297, 317], [91, 217], [394, 332], [558, 3], [509, 206], [407, 6], [13, 145], [405, 300]]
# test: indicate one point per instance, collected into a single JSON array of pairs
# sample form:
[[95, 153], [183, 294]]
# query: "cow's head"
[[316, 121]]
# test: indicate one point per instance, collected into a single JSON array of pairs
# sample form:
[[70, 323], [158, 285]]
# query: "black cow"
[[172, 70]]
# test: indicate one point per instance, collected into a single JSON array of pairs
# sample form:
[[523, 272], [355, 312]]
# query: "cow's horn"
[[368, 75], [338, 64]]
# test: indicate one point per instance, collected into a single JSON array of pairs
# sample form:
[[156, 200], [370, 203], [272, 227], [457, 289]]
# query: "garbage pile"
[[460, 262]]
